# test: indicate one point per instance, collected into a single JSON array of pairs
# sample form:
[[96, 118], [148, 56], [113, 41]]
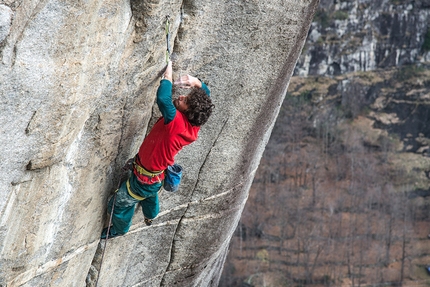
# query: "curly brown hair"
[[199, 107]]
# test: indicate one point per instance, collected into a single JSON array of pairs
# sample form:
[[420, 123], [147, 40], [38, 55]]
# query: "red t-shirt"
[[164, 141]]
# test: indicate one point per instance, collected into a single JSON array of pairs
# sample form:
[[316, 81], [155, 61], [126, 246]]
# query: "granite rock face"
[[77, 90]]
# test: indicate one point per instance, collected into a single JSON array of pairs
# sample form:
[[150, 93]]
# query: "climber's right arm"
[[188, 81]]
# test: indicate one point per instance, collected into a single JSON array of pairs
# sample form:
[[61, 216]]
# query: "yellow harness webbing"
[[135, 196], [143, 171]]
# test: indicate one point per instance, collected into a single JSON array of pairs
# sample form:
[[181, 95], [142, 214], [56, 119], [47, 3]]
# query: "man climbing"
[[179, 126]]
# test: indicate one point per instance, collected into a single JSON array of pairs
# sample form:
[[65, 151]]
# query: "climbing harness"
[[146, 177], [135, 196], [141, 170], [167, 39]]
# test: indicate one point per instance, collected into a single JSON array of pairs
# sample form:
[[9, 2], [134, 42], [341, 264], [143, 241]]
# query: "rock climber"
[[179, 126]]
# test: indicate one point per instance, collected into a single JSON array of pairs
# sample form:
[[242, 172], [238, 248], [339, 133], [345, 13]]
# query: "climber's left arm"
[[164, 95]]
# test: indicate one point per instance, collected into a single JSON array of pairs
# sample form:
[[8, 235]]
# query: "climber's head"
[[197, 106], [181, 103]]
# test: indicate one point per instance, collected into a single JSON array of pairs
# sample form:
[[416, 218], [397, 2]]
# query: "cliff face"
[[77, 84], [348, 36]]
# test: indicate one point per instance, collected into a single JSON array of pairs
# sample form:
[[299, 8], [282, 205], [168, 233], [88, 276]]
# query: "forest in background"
[[341, 196]]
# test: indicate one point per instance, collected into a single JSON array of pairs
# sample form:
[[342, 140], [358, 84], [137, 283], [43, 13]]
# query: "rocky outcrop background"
[[77, 90], [350, 36]]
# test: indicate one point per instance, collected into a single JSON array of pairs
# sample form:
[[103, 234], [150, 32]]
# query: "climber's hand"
[[168, 72], [187, 82]]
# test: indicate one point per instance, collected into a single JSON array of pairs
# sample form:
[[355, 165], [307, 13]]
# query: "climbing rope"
[[167, 39], [107, 233], [128, 166]]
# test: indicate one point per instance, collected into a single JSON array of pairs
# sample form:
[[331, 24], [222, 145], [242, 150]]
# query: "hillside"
[[342, 194]]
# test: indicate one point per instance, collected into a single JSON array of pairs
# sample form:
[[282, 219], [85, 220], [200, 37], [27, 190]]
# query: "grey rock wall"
[[348, 36], [77, 90]]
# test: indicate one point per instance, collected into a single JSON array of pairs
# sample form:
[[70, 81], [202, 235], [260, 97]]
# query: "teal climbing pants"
[[125, 203]]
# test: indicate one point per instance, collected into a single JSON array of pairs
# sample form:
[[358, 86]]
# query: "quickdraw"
[[168, 52]]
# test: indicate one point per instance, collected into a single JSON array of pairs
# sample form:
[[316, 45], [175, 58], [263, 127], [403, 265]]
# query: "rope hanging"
[[107, 233]]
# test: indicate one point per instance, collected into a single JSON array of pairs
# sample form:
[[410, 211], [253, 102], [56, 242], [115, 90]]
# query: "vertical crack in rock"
[[207, 155], [140, 10], [172, 246], [123, 120], [96, 263], [93, 273]]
